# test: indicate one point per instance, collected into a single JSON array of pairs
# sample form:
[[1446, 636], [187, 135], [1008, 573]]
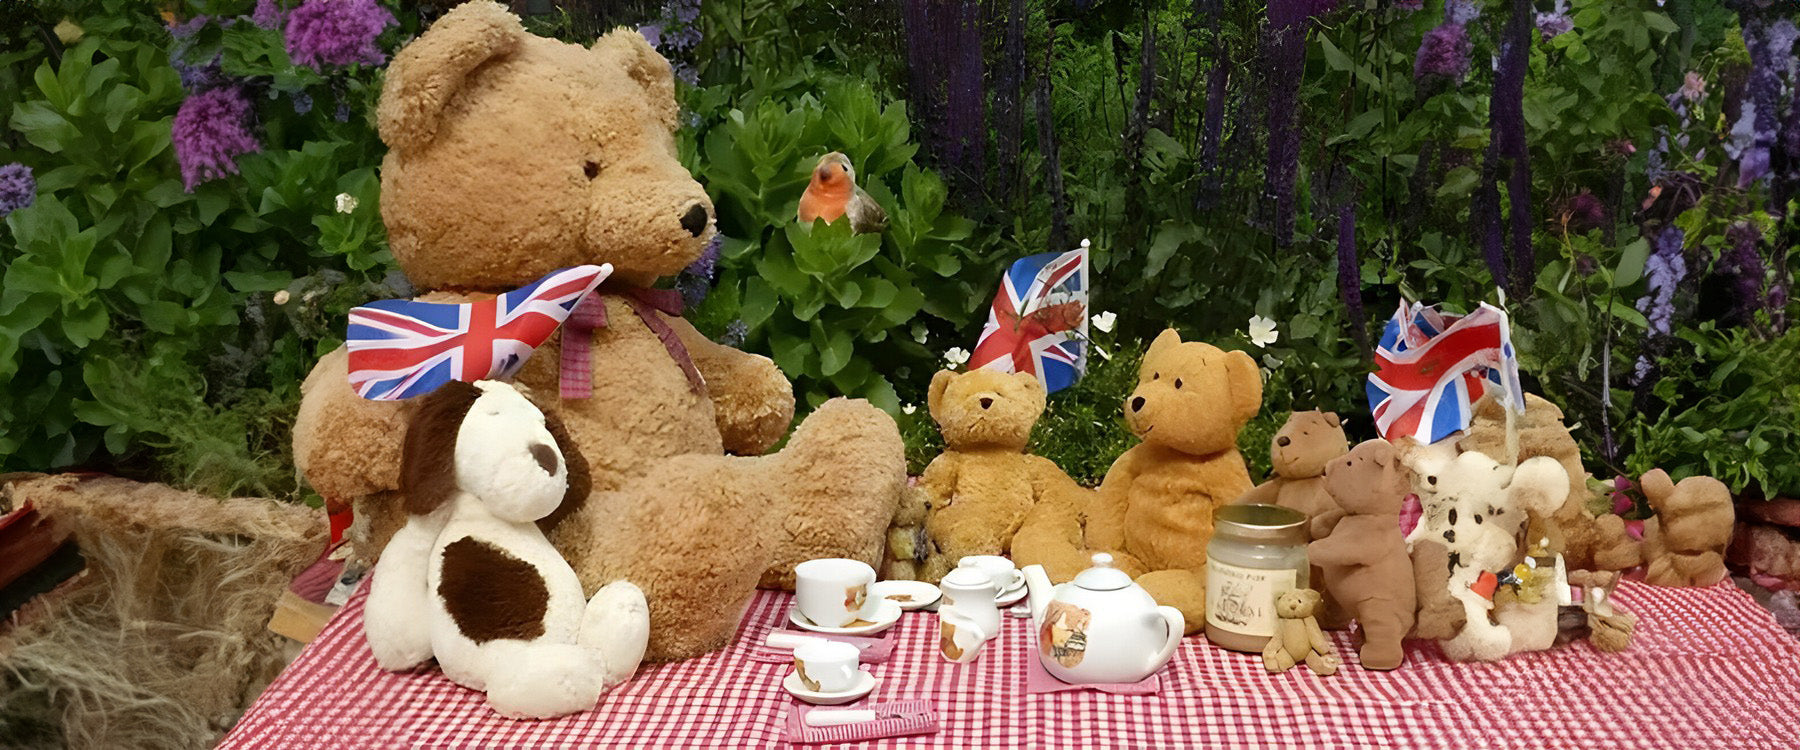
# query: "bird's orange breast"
[[823, 201]]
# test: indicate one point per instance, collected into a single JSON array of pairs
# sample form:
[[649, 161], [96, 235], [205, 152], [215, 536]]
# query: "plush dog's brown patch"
[[491, 594], [428, 455]]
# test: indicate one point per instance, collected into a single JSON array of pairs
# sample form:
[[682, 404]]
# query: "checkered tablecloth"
[[1709, 669]]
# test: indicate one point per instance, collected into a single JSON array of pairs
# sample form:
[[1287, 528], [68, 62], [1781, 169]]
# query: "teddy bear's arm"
[[1340, 550], [753, 402], [939, 480], [1051, 534], [1262, 494], [1105, 525]]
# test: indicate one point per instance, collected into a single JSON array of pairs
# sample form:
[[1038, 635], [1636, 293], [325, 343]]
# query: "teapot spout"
[[1039, 590]]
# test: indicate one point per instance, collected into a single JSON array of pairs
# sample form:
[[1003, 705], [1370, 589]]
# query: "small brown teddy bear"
[[1298, 637], [978, 491], [1364, 559], [1297, 458], [1684, 545], [1154, 510], [512, 155]]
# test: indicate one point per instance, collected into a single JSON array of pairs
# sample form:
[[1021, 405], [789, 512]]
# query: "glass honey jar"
[[1256, 553]]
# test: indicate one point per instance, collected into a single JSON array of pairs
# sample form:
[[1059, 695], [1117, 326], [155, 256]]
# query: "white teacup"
[[998, 569], [827, 666], [834, 591]]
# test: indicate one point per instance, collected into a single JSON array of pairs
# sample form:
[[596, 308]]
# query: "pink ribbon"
[[577, 377]]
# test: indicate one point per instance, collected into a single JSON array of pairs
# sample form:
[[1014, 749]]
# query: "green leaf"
[[1632, 258], [1334, 57]]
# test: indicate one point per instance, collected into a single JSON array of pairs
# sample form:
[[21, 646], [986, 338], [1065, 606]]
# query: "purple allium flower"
[[1444, 52], [736, 333], [210, 131], [1583, 212], [1742, 267], [336, 32], [18, 188], [268, 14]]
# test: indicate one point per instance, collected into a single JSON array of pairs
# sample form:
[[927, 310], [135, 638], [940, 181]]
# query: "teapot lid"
[[1103, 576], [967, 575]]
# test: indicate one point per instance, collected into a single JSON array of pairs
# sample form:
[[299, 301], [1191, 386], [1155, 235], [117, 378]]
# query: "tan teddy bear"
[[512, 155], [1297, 458], [1154, 510], [1364, 557], [1298, 637], [1684, 545], [979, 489]]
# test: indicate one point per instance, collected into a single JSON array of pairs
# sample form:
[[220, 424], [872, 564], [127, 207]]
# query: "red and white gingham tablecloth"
[[1709, 669]]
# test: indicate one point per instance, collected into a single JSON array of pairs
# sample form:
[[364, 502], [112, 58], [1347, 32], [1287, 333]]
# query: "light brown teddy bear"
[[1364, 558], [1154, 510], [1684, 545], [1298, 637], [1297, 458], [512, 155], [979, 489]]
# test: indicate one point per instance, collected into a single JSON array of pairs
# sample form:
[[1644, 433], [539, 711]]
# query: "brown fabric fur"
[[428, 453], [1297, 456], [1154, 510], [1684, 545], [1440, 616], [1364, 558], [492, 133], [980, 488], [491, 594]]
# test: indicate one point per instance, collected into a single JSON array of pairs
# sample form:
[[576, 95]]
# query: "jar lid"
[[1103, 576], [1261, 523]]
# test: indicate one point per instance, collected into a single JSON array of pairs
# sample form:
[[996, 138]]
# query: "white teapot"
[[1101, 627]]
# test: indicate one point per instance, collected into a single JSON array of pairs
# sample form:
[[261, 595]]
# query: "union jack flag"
[[1431, 368], [401, 348], [1039, 321]]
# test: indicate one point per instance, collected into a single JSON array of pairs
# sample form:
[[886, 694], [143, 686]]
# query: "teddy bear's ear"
[[628, 49], [1331, 418], [1165, 341], [429, 72], [428, 454], [1246, 385], [935, 397]]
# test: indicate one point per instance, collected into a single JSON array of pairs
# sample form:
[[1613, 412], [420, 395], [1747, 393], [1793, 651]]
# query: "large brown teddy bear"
[[512, 155], [1297, 458], [979, 490], [1684, 545], [1364, 558], [1154, 510]]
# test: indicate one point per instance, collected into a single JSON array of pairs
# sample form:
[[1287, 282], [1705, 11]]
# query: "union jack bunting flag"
[[1431, 368], [1039, 321], [401, 348]]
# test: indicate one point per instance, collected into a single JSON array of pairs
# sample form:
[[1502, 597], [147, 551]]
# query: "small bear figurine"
[[1364, 559], [1298, 637]]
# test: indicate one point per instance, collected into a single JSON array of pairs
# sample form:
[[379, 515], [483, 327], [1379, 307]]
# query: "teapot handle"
[[1177, 625]]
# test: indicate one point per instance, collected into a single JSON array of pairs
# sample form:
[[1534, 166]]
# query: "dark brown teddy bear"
[[1364, 559]]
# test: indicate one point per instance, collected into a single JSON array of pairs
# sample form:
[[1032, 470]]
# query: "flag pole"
[[1506, 401]]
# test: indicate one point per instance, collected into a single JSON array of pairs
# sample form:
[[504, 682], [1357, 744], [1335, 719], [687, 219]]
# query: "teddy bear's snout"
[[694, 221], [546, 457], [986, 402], [1283, 441], [1137, 403]]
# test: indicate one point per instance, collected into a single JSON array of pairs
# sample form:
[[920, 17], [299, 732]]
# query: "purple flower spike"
[[18, 188], [337, 32], [1444, 52], [210, 131]]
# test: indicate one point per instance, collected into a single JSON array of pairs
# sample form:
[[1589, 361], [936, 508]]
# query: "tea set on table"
[[1099, 628]]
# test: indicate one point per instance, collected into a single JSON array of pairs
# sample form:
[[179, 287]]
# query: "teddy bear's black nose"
[[695, 219], [1137, 404], [546, 457], [1283, 441], [986, 402]]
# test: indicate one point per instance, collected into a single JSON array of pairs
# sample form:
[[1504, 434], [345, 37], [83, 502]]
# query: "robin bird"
[[833, 193]]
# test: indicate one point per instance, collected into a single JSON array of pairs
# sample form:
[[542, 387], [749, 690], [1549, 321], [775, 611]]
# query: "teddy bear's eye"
[[591, 169], [1155, 375], [1178, 384]]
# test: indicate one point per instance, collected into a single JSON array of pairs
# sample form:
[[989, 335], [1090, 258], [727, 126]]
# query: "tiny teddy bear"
[[1297, 458], [470, 578], [1298, 637], [1364, 558], [1154, 510], [979, 489], [1684, 544]]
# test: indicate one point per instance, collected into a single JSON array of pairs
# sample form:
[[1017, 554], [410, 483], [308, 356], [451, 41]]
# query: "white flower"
[[1104, 321], [1262, 331], [346, 203], [281, 297], [908, 409], [918, 333], [957, 356]]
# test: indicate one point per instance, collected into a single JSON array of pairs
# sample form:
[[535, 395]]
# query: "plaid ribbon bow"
[[577, 378]]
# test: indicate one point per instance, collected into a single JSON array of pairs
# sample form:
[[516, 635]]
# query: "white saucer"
[[1011, 596], [919, 594], [865, 684], [886, 614]]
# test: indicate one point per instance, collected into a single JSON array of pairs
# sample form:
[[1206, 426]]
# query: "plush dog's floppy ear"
[[428, 455], [429, 72], [581, 481], [627, 49]]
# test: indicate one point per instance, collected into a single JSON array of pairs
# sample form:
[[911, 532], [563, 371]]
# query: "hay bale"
[[160, 642]]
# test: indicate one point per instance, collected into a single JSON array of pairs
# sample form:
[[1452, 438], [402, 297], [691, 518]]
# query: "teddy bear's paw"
[[838, 481]]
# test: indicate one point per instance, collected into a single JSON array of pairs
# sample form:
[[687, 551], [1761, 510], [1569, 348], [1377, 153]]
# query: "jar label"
[[1242, 600]]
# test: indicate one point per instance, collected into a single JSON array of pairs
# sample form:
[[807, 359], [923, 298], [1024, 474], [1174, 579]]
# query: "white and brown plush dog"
[[471, 579]]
